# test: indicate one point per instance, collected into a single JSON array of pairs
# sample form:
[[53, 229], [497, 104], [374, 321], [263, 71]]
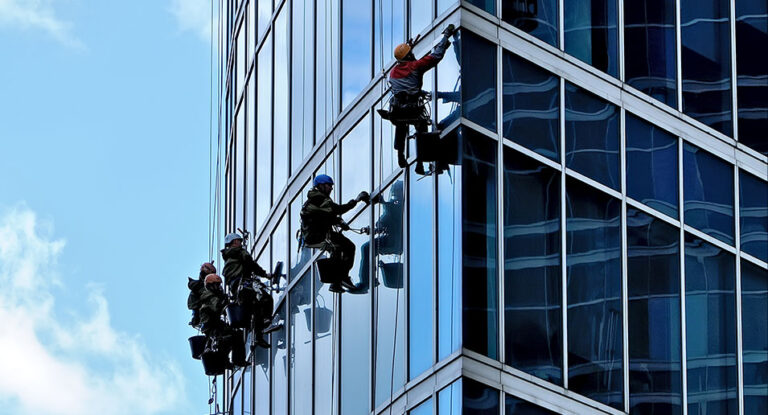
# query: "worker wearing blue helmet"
[[319, 215]]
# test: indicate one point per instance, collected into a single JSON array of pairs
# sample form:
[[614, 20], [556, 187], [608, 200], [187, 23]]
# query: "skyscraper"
[[598, 244]]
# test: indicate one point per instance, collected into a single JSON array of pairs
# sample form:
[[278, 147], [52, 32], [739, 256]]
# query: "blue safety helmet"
[[322, 179]]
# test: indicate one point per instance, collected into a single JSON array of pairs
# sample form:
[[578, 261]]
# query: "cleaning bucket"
[[197, 344]]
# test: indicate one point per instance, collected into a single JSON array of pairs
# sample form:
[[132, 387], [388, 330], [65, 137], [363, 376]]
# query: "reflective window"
[[265, 13], [479, 92], [356, 327], [250, 144], [537, 17], [389, 30], [479, 399], [652, 166], [708, 192], [280, 250], [591, 136], [281, 108], [590, 33], [420, 15], [706, 62], [449, 399], [356, 48], [753, 214], [443, 5], [261, 382], [325, 360], [516, 406], [710, 311], [384, 155], [421, 199], [300, 302], [532, 274], [247, 392], [650, 48], [251, 31], [487, 5], [653, 288], [448, 261], [479, 223], [531, 106], [236, 406], [327, 66], [424, 408], [752, 68], [754, 320], [264, 133], [448, 106], [390, 298], [356, 160], [302, 81], [299, 256], [279, 367], [239, 137], [593, 261], [240, 64]]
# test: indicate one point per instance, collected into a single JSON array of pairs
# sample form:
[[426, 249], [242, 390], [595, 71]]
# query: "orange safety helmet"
[[212, 279], [208, 268], [402, 50]]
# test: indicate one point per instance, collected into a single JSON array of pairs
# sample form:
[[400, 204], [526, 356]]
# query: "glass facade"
[[597, 242]]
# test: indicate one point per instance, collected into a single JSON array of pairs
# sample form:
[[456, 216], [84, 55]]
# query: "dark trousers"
[[401, 132], [342, 252]]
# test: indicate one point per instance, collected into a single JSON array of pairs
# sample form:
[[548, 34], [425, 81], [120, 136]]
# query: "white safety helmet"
[[231, 237]]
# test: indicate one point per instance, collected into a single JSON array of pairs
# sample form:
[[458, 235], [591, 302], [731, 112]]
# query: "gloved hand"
[[363, 197], [343, 226], [449, 30]]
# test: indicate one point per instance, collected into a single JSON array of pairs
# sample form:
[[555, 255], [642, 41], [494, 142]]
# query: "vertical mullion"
[[620, 29], [683, 324], [734, 78], [563, 239], [624, 257], [679, 64], [561, 26], [500, 204], [739, 328], [406, 287]]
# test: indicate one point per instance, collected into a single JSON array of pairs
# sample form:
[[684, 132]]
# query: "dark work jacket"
[[212, 303], [196, 288], [318, 214], [238, 264]]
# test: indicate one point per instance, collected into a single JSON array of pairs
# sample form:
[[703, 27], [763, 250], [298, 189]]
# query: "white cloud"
[[193, 15], [52, 366], [38, 15]]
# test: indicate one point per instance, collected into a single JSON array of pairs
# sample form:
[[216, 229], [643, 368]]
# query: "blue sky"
[[104, 138]]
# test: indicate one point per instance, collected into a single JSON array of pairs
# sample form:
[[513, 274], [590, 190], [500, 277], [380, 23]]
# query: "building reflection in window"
[[590, 33], [753, 211], [708, 193], [754, 317], [537, 17]]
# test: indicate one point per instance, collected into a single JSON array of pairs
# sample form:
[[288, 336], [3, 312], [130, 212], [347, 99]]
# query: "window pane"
[[754, 320], [590, 33], [240, 64], [443, 5], [593, 260], [752, 68], [265, 13], [237, 394], [532, 273], [706, 62], [356, 48], [356, 160], [299, 256], [250, 144], [448, 72], [264, 134], [280, 250], [479, 92], [390, 299], [279, 367], [710, 311], [425, 408], [389, 30], [327, 66], [356, 328], [650, 48], [537, 17], [487, 5], [281, 159], [251, 31], [449, 399], [652, 166], [421, 199], [239, 202], [591, 136], [708, 192], [531, 106], [261, 369], [247, 394], [301, 345], [421, 16], [302, 81], [449, 262], [515, 406], [753, 211], [324, 349], [653, 288], [384, 157], [480, 288], [479, 399]]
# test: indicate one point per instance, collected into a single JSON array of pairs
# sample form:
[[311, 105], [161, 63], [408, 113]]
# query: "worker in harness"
[[220, 336], [319, 215], [407, 106], [196, 288]]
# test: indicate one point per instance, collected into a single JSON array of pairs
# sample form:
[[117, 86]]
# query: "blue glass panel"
[[532, 274], [448, 107], [424, 408], [356, 160], [384, 157], [449, 262], [239, 170], [650, 48], [706, 62], [236, 406], [356, 48], [301, 345], [479, 399], [537, 17], [302, 81], [752, 68], [281, 159], [593, 261], [590, 33], [279, 367], [516, 406], [299, 256], [753, 215], [449, 399], [247, 390], [250, 172], [280, 250], [710, 311], [652, 166], [327, 71], [420, 16], [531, 106], [356, 328], [264, 133], [443, 5], [325, 360], [421, 199], [389, 30], [261, 382], [240, 63], [479, 223], [754, 320], [708, 192], [478, 95], [487, 5], [265, 13], [591, 136], [653, 287]]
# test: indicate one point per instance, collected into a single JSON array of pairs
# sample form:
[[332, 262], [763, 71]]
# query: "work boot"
[[401, 160], [419, 168], [272, 327], [347, 283], [261, 342], [336, 288]]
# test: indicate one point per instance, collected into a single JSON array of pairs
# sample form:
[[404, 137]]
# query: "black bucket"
[[392, 274], [328, 270], [428, 146], [239, 316], [214, 363], [323, 319], [197, 344]]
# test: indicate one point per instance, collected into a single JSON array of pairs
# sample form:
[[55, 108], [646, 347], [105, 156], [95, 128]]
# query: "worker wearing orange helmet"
[[196, 288]]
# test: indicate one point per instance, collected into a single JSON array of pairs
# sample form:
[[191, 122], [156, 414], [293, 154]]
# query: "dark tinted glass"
[[327, 66], [516, 406], [448, 106], [708, 192], [449, 399], [650, 48], [754, 320], [753, 214], [302, 81], [264, 133], [706, 62], [479, 399], [421, 199], [590, 33], [651, 166], [325, 313], [449, 261], [478, 95], [356, 48], [480, 288], [537, 17], [279, 367], [532, 273], [281, 159], [710, 318], [752, 68], [301, 345], [356, 160], [487, 5], [653, 288], [591, 136], [593, 260], [389, 30], [531, 106]]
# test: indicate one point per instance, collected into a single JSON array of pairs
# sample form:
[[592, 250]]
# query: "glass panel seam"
[[737, 241], [710, 239], [532, 154], [634, 204], [563, 239], [582, 178], [620, 29], [755, 261], [681, 258], [624, 254], [561, 27]]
